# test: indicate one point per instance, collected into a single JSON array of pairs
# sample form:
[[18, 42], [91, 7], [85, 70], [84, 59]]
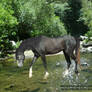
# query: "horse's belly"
[[53, 51], [53, 47]]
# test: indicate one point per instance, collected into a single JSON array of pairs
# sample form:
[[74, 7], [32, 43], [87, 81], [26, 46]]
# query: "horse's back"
[[48, 45]]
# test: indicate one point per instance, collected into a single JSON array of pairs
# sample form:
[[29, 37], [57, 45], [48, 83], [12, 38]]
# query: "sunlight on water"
[[71, 78]]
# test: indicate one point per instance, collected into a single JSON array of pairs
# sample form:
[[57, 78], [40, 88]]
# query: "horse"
[[43, 45]]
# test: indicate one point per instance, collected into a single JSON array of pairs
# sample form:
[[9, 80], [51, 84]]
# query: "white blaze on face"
[[20, 64], [30, 72]]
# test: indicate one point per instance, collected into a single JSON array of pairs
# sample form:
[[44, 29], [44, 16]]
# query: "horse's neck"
[[20, 50], [23, 48]]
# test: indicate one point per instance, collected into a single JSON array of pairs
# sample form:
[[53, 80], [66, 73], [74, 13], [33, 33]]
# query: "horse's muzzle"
[[20, 64]]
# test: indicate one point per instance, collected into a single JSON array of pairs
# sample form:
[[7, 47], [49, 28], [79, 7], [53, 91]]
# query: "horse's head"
[[20, 59]]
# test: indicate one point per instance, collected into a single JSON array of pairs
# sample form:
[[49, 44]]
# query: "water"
[[14, 79]]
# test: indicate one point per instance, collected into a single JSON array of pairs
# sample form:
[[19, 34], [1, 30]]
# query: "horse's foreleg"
[[45, 66], [30, 70]]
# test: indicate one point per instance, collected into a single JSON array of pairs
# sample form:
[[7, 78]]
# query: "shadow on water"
[[43, 82], [14, 79], [35, 90]]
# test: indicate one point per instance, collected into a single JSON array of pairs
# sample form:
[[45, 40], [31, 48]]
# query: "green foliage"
[[7, 23], [17, 44], [86, 16], [60, 9], [48, 23], [36, 17], [74, 27], [21, 19]]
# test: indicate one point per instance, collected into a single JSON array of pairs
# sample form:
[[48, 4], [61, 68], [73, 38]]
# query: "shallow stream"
[[14, 79]]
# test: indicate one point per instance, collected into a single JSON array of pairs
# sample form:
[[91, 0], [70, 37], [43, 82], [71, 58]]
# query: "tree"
[[7, 24], [21, 19], [71, 18], [36, 17], [86, 16]]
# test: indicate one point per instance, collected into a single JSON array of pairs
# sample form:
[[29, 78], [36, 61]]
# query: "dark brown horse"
[[43, 45]]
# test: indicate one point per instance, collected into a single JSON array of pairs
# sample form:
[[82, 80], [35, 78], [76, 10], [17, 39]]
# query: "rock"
[[89, 49], [84, 37], [83, 50], [9, 86], [85, 47], [58, 64], [84, 64]]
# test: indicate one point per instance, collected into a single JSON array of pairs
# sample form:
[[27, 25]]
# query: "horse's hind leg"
[[45, 66], [67, 57], [76, 62], [33, 61]]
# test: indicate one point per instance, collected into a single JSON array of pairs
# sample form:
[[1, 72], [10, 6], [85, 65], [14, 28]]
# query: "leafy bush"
[[7, 23], [36, 17], [86, 16], [21, 19]]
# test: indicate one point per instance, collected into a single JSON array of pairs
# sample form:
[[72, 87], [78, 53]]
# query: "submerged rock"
[[58, 64], [84, 64], [86, 48], [9, 86]]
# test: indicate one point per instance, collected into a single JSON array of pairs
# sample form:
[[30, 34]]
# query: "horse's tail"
[[77, 51]]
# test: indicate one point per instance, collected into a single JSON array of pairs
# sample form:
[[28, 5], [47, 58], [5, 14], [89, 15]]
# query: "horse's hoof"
[[46, 75], [45, 78], [30, 76], [77, 73], [66, 73]]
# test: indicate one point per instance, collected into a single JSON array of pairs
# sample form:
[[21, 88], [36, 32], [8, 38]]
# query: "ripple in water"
[[72, 79]]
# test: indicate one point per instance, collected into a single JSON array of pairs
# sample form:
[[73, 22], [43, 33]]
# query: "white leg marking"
[[30, 72], [46, 75], [20, 64], [66, 73]]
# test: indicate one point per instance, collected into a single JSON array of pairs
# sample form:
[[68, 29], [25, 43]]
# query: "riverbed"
[[14, 79]]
